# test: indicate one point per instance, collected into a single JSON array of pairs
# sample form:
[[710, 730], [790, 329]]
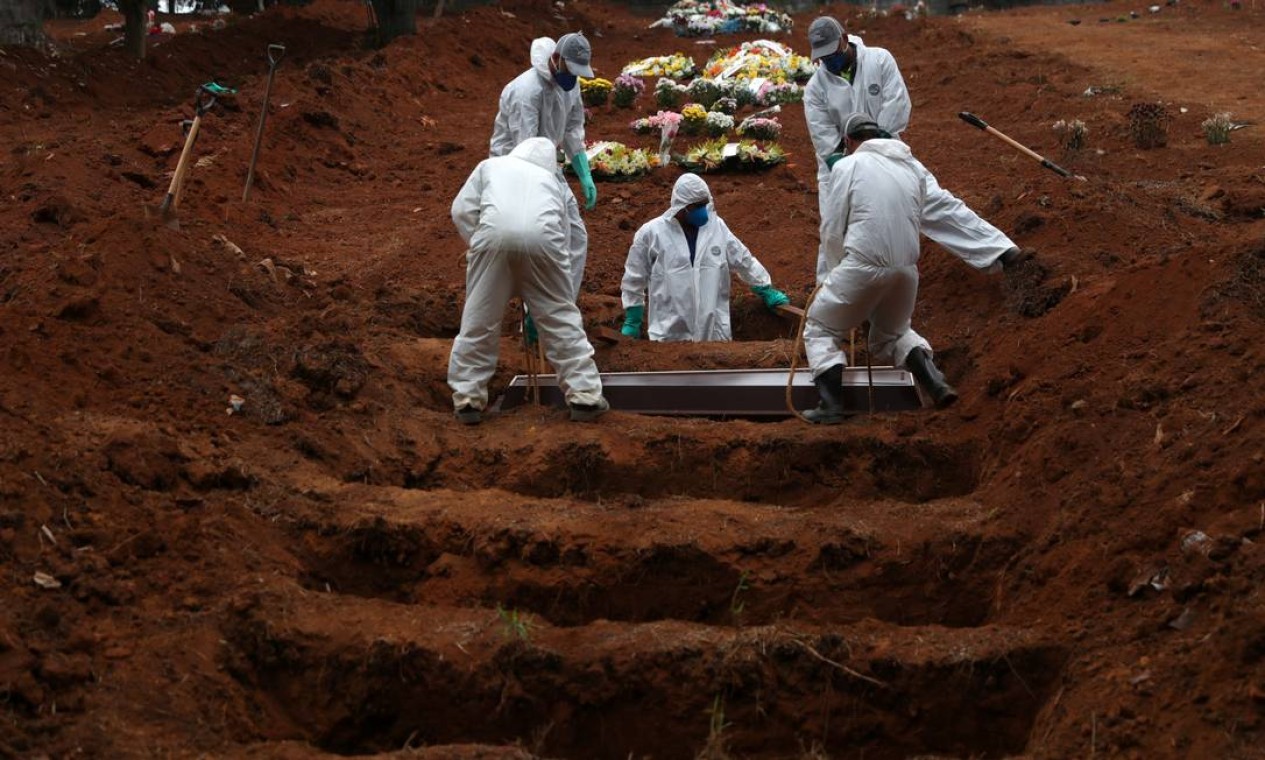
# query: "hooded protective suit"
[[688, 301], [533, 105], [512, 212], [870, 238], [878, 90]]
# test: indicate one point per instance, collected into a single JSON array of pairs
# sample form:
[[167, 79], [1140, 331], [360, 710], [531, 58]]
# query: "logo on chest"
[[873, 89]]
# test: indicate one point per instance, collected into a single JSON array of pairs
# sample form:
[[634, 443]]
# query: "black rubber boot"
[[1014, 257], [589, 412], [829, 410], [468, 415], [930, 378]]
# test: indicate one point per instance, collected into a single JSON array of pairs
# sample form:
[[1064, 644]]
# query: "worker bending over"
[[869, 233], [684, 258], [512, 213]]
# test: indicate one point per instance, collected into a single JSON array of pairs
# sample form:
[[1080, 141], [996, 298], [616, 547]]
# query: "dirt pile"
[[1067, 564]]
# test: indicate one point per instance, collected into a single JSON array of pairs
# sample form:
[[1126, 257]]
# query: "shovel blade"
[[167, 212]]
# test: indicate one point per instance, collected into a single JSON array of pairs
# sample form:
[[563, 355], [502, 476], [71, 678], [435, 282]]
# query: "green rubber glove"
[[833, 159], [771, 296], [633, 317], [580, 162], [529, 331]]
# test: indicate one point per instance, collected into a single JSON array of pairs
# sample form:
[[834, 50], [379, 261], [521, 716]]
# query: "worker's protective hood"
[[541, 49], [539, 151], [689, 188], [893, 149]]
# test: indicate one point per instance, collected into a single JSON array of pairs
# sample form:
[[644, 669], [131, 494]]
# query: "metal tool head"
[[276, 52]]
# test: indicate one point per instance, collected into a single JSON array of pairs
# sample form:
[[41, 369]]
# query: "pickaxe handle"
[[790, 312], [976, 121], [275, 54]]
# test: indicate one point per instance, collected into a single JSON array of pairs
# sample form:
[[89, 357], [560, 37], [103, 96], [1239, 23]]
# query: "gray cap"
[[824, 36], [576, 51], [858, 122]]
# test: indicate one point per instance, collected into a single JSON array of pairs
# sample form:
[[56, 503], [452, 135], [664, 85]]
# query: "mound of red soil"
[[1067, 564]]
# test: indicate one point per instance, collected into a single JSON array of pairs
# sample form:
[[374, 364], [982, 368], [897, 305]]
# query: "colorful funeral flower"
[[594, 92], [669, 94], [626, 90], [675, 66], [772, 94], [704, 91], [666, 118], [694, 18], [694, 119], [641, 126], [760, 128], [718, 123], [760, 59], [613, 160], [718, 155]]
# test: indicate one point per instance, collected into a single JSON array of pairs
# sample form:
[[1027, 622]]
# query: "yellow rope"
[[799, 344], [533, 371]]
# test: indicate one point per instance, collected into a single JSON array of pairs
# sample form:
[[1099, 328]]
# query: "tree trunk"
[[395, 18], [134, 27], [22, 22]]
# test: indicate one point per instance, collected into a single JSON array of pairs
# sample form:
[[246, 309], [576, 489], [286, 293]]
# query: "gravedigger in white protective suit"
[[512, 213], [869, 232], [544, 101], [684, 258], [854, 78]]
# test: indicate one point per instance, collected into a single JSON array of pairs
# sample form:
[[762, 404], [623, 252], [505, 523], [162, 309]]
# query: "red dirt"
[[339, 569]]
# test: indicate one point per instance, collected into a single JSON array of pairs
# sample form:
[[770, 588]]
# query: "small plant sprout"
[[736, 603], [1072, 134], [515, 624], [1217, 128], [716, 740]]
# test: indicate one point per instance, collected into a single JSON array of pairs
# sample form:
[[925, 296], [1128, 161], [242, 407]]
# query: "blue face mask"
[[836, 62], [697, 217], [565, 79]]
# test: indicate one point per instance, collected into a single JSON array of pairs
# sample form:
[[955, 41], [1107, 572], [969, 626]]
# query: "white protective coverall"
[[878, 90], [512, 212], [870, 235], [688, 302], [533, 105]]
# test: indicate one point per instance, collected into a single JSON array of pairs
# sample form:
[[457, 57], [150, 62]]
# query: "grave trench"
[[366, 676], [784, 466], [568, 577], [410, 553]]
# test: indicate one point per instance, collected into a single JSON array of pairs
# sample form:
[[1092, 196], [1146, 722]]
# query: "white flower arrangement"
[[675, 66], [616, 161], [696, 18], [718, 124]]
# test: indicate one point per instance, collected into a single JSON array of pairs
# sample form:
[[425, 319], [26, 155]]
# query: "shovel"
[[205, 100], [275, 54], [976, 121]]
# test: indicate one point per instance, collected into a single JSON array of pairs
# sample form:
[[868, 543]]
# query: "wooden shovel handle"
[[182, 168]]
